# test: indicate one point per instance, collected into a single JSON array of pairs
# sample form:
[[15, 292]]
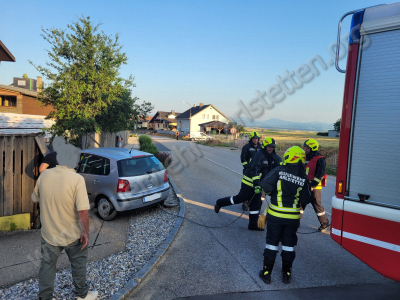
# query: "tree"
[[85, 84], [336, 125], [141, 111], [119, 115]]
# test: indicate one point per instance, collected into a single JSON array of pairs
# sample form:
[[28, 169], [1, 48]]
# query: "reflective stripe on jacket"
[[289, 187]]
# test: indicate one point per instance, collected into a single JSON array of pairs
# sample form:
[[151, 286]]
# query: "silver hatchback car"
[[119, 179]]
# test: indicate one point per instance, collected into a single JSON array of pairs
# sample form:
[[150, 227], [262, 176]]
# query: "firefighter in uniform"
[[248, 151], [289, 187], [316, 171], [262, 163]]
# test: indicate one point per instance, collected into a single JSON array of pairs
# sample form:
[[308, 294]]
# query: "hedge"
[[149, 148], [144, 139]]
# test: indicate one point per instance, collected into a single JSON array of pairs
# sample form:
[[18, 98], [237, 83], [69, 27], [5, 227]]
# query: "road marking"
[[212, 207]]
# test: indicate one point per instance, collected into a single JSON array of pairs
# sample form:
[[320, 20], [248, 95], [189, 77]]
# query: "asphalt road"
[[206, 263]]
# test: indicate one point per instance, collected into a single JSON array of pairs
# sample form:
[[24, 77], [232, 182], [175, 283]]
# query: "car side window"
[[93, 164], [106, 166]]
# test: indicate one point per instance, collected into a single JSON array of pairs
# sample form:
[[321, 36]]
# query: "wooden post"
[[41, 144], [26, 199], [18, 175], [8, 209], [31, 171], [36, 174], [97, 139]]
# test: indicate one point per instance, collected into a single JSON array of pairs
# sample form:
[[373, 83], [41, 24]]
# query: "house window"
[[217, 117], [213, 117], [8, 101], [203, 116], [208, 116]]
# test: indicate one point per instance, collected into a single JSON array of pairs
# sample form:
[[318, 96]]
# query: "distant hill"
[[281, 124]]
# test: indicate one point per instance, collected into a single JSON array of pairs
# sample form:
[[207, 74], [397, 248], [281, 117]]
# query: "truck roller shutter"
[[375, 153]]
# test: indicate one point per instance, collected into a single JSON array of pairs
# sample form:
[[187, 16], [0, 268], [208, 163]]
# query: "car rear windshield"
[[137, 166]]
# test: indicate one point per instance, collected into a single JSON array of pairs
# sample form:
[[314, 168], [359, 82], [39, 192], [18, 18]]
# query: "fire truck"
[[366, 205]]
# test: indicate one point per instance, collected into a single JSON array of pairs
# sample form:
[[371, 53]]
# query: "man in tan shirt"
[[64, 214]]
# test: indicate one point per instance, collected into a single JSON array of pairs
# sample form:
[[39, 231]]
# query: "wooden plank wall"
[[8, 208], [18, 174], [104, 139], [1, 176], [20, 162]]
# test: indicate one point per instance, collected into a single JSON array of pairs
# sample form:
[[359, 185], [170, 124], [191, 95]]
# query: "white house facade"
[[190, 120]]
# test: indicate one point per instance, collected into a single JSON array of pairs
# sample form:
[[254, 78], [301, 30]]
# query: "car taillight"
[[165, 176], [123, 186]]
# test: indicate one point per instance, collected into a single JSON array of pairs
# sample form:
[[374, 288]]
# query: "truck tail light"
[[165, 176], [340, 187], [123, 186]]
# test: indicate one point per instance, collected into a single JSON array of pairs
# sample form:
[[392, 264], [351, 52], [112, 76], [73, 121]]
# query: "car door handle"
[[95, 181]]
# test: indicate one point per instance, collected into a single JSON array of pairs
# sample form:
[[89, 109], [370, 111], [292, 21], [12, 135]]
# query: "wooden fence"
[[20, 169], [104, 139]]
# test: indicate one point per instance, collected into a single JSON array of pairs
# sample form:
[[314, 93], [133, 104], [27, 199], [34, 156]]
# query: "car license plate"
[[151, 197]]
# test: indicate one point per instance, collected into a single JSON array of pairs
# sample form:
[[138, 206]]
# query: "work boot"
[[256, 228], [286, 272], [323, 227], [221, 203], [253, 223], [265, 273]]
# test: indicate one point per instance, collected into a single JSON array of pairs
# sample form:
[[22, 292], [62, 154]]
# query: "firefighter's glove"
[[262, 219], [257, 189]]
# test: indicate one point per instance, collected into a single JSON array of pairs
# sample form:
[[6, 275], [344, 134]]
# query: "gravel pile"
[[147, 231]]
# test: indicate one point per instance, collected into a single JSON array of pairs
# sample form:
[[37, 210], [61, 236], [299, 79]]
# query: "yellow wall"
[[22, 221]]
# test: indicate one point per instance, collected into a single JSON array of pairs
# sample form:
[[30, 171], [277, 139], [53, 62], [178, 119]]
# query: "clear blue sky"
[[215, 52]]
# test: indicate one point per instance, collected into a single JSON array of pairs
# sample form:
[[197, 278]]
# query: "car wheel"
[[106, 209]]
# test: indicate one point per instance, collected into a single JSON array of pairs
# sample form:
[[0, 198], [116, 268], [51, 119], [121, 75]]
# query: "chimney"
[[201, 104], [173, 112], [39, 84], [194, 105]]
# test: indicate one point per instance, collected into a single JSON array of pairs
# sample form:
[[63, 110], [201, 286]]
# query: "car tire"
[[106, 209]]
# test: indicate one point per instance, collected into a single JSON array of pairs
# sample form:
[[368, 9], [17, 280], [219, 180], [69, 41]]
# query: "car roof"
[[115, 153]]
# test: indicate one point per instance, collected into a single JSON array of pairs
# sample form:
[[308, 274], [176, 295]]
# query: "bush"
[[322, 133], [149, 148], [165, 158], [144, 139]]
